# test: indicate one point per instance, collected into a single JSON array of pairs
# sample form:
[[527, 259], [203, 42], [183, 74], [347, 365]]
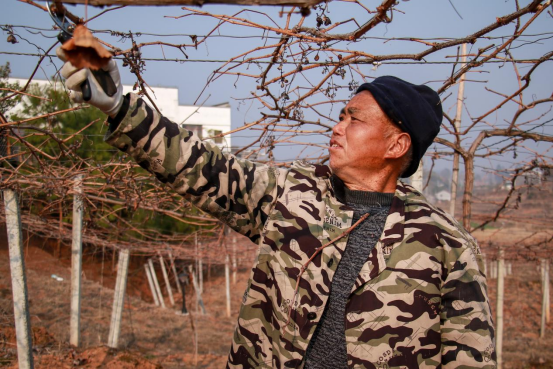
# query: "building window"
[[214, 132]]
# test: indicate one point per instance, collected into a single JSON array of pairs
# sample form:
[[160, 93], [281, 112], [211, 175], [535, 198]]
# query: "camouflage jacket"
[[420, 300]]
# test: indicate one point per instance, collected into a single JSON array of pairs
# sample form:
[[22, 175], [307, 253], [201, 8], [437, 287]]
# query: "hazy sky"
[[420, 19]]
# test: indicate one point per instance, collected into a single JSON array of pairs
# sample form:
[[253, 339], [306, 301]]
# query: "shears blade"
[[62, 22]]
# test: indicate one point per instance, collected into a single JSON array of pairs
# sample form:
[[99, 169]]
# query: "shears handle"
[[104, 79]]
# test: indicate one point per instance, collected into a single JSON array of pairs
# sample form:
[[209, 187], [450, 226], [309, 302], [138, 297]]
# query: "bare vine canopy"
[[287, 71]]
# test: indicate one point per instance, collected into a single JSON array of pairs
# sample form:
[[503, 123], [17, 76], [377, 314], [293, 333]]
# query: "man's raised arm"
[[236, 191]]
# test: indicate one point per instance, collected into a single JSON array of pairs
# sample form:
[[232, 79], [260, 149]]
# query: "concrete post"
[[151, 283], [199, 300], [485, 263], [174, 269], [457, 125], [197, 254], [166, 278], [416, 180], [227, 284], [545, 295], [76, 263], [118, 298], [234, 268], [200, 269], [156, 283], [19, 282], [499, 309]]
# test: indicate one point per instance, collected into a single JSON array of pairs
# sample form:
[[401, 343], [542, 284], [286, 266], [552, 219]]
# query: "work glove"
[[98, 97]]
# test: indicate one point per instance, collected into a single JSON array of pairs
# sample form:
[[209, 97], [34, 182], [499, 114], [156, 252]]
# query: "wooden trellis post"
[[227, 284], [151, 283], [166, 278], [118, 298], [76, 263], [19, 282], [499, 310], [156, 283]]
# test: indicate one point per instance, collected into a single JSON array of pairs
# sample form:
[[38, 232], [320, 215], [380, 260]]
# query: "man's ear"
[[399, 145]]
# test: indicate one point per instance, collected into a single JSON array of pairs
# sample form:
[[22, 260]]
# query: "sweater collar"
[[368, 198], [394, 228]]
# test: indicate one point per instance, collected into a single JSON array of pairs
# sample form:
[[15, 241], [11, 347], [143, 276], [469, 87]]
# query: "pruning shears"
[[66, 33]]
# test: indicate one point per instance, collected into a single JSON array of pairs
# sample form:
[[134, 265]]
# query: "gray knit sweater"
[[327, 348]]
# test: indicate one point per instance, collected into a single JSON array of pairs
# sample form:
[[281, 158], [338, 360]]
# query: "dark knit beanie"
[[416, 109]]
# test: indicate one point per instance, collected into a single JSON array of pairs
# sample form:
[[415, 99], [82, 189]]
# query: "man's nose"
[[339, 128]]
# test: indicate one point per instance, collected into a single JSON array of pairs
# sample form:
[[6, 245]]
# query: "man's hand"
[[75, 78]]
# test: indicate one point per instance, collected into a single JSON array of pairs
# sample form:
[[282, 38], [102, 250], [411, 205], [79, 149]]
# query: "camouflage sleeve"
[[467, 331], [238, 192]]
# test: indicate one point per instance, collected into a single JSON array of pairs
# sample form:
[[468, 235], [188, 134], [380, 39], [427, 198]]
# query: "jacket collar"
[[393, 234], [339, 188], [395, 223]]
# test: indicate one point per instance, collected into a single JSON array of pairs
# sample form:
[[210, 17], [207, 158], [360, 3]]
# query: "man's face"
[[359, 141]]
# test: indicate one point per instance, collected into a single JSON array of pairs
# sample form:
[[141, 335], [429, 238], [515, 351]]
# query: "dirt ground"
[[150, 335], [153, 337], [522, 346]]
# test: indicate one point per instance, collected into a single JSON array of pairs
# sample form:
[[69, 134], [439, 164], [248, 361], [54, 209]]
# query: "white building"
[[205, 121]]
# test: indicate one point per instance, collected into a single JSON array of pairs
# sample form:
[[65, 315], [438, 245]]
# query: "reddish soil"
[[150, 335], [153, 337], [95, 357]]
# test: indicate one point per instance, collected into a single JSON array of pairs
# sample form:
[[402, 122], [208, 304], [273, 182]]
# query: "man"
[[355, 268]]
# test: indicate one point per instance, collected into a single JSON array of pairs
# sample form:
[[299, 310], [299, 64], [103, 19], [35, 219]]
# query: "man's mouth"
[[334, 145]]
